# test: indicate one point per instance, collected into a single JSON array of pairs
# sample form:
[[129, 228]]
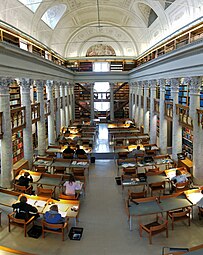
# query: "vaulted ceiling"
[[71, 27]]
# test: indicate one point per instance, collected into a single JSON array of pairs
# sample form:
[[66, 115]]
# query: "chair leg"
[[25, 231], [150, 238], [140, 231], [167, 232]]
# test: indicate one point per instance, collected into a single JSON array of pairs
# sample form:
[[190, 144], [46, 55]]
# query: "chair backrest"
[[23, 189], [159, 227], [59, 169], [41, 169], [69, 197], [78, 171], [181, 186], [54, 228], [180, 214], [44, 192], [129, 170], [68, 155], [81, 156], [152, 170], [158, 184], [133, 195]]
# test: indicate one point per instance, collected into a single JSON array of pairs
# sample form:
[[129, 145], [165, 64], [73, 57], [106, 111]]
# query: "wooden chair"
[[69, 197], [134, 195], [19, 222], [154, 228], [23, 189], [182, 186], [44, 192], [129, 170], [157, 186], [78, 171], [59, 169], [81, 156], [179, 215], [152, 170], [123, 155], [41, 169], [54, 228], [68, 155]]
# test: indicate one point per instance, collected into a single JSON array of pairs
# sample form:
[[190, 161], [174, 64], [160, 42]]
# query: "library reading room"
[[101, 127]]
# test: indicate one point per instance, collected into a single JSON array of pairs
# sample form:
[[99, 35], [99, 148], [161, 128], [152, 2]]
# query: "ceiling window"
[[52, 16], [31, 4]]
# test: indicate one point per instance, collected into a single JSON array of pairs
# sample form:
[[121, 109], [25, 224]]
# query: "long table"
[[154, 205]]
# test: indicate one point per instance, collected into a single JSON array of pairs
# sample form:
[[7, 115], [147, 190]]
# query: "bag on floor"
[[35, 231]]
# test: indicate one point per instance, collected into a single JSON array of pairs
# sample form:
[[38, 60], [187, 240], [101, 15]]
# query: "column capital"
[[49, 84], [4, 84], [146, 84], [152, 84], [25, 83], [39, 84], [174, 82], [195, 84], [140, 84], [162, 84]]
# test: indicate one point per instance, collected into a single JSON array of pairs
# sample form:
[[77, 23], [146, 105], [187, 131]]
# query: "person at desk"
[[53, 216], [179, 178], [24, 210], [135, 152], [71, 186], [68, 150], [79, 151], [25, 180]]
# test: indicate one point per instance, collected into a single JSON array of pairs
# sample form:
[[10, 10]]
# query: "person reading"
[[71, 186], [53, 216], [79, 151], [135, 152], [25, 180], [68, 150], [24, 210]]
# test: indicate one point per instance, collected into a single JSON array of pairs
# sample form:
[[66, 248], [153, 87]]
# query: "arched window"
[[31, 4], [52, 16], [100, 50]]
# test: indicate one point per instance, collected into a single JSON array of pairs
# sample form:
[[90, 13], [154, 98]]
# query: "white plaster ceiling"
[[121, 24]]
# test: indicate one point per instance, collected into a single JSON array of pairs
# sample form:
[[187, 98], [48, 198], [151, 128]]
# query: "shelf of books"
[[17, 142], [187, 141], [15, 98], [183, 95], [168, 93]]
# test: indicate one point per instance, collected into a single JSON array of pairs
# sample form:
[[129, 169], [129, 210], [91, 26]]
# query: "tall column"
[[195, 85], [62, 95], [72, 101], [111, 102], [27, 131], [136, 107], [41, 122], [153, 117], [6, 142], [140, 103], [67, 104], [162, 120], [92, 101], [133, 101], [130, 100], [58, 116], [51, 119], [145, 111], [176, 128]]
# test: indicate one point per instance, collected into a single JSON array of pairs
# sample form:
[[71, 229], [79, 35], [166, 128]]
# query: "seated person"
[[68, 150], [71, 186], [24, 210], [135, 152], [25, 180], [53, 216], [79, 151], [179, 177]]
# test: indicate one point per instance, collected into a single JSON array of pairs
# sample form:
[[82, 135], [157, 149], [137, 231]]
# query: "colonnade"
[[148, 117], [58, 93]]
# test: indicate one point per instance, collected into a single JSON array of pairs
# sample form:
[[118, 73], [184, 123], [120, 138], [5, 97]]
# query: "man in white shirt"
[[179, 177]]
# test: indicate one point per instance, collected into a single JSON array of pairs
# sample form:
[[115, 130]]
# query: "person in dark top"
[[25, 180], [24, 210], [79, 151], [68, 150]]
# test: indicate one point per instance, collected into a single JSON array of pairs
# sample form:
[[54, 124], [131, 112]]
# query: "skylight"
[[52, 16], [31, 4]]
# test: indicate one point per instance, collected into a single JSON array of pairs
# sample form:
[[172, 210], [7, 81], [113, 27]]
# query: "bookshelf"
[[183, 96], [85, 66], [168, 93], [17, 142], [15, 97], [187, 141], [116, 66]]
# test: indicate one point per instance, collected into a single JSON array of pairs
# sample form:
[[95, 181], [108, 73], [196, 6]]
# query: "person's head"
[[23, 199], [178, 172], [77, 146], [26, 174], [71, 179], [202, 191], [138, 147], [54, 208]]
